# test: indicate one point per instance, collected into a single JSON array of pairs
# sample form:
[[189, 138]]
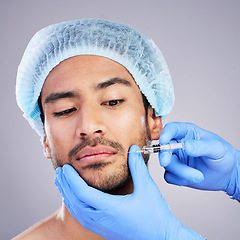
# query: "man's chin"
[[105, 176], [111, 185]]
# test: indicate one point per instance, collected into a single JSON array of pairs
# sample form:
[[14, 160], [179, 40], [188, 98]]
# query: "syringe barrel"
[[167, 147], [173, 146]]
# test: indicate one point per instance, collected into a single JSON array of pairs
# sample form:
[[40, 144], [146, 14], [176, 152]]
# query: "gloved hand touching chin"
[[208, 162], [144, 214]]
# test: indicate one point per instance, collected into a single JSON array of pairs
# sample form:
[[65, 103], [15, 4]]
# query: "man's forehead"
[[96, 71]]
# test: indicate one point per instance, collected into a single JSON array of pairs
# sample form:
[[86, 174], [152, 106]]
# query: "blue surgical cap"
[[116, 41]]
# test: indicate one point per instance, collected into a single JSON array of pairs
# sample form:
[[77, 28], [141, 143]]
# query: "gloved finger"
[[75, 206], [177, 130], [59, 183], [66, 198], [87, 194], [72, 212], [173, 179], [212, 148], [82, 215], [138, 169], [165, 158], [86, 221], [183, 171], [66, 192]]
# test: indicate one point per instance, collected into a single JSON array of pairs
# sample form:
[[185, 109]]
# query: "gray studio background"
[[200, 41]]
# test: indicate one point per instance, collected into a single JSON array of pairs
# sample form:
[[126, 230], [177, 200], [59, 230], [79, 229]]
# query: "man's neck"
[[72, 229]]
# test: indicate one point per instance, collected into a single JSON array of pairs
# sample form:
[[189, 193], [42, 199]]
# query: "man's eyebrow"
[[53, 97], [113, 81]]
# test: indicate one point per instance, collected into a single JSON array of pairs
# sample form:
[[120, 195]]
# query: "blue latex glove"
[[208, 162], [144, 214]]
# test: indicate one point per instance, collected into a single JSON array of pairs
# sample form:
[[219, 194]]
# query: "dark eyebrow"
[[112, 81], [71, 94], [60, 95]]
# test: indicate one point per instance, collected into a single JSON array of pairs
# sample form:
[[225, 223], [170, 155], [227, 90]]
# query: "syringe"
[[161, 147]]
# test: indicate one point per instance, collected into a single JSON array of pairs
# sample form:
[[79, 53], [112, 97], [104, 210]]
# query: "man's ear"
[[154, 124], [46, 147]]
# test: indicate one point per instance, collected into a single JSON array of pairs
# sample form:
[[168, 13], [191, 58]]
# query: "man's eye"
[[64, 113], [113, 103]]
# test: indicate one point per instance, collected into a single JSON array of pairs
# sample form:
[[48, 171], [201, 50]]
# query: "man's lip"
[[94, 154]]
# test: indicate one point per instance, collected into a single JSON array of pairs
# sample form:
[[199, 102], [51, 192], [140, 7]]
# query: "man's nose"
[[90, 122]]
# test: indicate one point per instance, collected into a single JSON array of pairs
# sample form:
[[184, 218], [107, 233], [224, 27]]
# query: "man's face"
[[93, 113]]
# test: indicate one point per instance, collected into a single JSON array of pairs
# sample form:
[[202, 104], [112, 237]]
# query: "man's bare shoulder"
[[48, 228]]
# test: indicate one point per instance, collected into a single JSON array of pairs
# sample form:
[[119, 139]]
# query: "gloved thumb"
[[139, 172]]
